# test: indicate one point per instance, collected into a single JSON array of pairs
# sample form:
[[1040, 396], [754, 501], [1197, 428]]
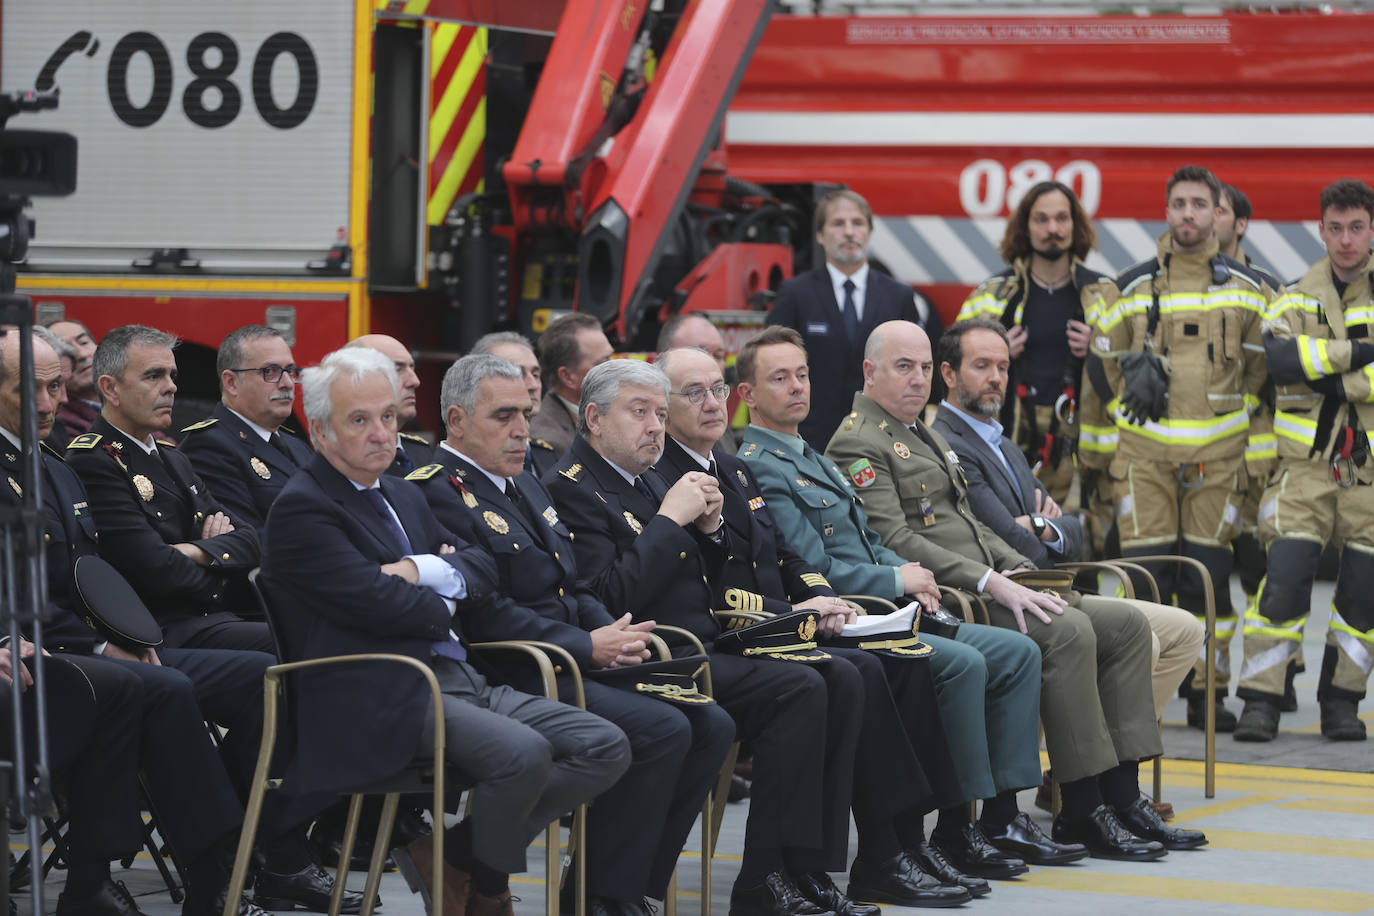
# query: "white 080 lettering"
[[987, 188]]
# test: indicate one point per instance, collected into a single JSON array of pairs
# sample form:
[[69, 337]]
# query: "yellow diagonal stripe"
[[1287, 774], [1335, 806], [441, 196], [457, 90], [1277, 787], [416, 7], [1289, 844], [439, 43], [1156, 885], [1225, 807]]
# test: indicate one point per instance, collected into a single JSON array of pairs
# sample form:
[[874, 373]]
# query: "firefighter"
[[1047, 300], [1181, 347], [1315, 339]]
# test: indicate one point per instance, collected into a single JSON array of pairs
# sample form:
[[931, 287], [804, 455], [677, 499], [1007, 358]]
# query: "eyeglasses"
[[695, 396], [271, 373]]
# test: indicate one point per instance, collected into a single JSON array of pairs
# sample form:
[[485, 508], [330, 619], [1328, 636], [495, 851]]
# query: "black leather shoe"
[[113, 899], [1105, 838], [971, 853], [899, 880], [930, 861], [1024, 839], [820, 890], [1226, 720], [776, 896], [1259, 721], [1341, 721], [1142, 820], [309, 889]]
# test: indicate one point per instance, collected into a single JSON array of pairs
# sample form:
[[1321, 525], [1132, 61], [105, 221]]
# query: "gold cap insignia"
[[901, 450], [633, 522], [259, 468], [144, 486], [18, 491], [807, 628], [496, 523]]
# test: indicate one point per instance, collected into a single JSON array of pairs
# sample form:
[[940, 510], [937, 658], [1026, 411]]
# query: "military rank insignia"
[[756, 503], [633, 522], [550, 516], [259, 468], [18, 490], [495, 522], [861, 472], [901, 450], [144, 486]]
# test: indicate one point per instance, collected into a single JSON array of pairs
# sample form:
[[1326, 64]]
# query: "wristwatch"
[[1038, 524]]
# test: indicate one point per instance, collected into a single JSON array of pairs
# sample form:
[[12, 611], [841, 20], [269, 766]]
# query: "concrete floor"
[[1291, 830]]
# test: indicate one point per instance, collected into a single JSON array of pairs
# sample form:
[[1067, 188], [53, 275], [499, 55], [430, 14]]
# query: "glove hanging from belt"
[[1146, 394]]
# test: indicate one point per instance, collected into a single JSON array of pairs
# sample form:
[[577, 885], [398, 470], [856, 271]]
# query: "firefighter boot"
[[1340, 721], [1259, 720], [1290, 695]]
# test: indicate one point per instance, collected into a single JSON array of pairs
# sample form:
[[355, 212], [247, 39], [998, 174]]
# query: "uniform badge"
[[550, 516], [495, 522], [18, 491], [468, 499], [901, 450], [113, 450], [882, 425], [259, 468], [927, 512], [952, 456], [633, 522], [862, 473], [829, 529], [807, 628], [756, 503], [803, 482], [144, 486], [743, 481]]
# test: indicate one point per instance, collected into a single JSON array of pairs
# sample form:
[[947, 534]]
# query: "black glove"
[[1361, 354], [1146, 394], [1329, 385]]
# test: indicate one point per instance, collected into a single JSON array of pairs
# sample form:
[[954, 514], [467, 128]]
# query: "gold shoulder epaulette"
[[85, 440], [165, 444], [414, 438], [425, 473], [572, 472], [545, 444], [201, 425]]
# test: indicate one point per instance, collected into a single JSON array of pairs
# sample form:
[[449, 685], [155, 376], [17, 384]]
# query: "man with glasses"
[[244, 450]]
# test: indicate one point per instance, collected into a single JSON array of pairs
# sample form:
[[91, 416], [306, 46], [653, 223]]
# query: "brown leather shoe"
[[416, 864], [498, 905], [1163, 809]]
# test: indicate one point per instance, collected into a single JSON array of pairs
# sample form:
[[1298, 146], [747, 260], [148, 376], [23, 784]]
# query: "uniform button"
[[571, 536], [224, 556], [682, 556], [159, 515], [517, 547], [703, 579], [756, 565], [47, 538], [825, 502], [560, 593], [557, 556]]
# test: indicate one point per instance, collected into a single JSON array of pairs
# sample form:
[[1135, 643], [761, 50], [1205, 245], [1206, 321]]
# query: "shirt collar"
[[697, 457], [10, 437], [795, 444], [262, 431], [499, 481], [837, 278], [572, 407], [149, 445], [990, 431]]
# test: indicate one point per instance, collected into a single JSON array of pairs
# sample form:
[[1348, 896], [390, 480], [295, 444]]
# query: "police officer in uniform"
[[514, 347], [244, 451], [1182, 350], [478, 490], [1315, 338]]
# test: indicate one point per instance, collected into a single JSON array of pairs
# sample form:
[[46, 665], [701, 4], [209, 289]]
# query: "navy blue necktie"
[[403, 460], [851, 312]]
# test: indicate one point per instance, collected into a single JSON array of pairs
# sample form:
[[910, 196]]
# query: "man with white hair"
[[355, 562], [411, 450]]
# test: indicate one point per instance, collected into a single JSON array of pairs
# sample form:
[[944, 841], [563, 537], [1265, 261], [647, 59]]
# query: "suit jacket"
[[554, 424], [807, 305], [541, 458], [997, 496], [325, 545], [143, 505], [761, 573], [635, 560], [916, 496], [818, 514], [540, 597], [245, 473]]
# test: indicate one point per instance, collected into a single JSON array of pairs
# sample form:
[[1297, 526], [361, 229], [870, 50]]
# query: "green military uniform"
[[1095, 699]]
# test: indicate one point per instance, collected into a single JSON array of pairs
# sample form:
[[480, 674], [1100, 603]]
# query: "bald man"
[[412, 451]]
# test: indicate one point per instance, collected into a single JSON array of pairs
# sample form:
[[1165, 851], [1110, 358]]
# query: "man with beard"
[[1047, 299], [836, 306], [412, 450], [1182, 350], [243, 451], [83, 404]]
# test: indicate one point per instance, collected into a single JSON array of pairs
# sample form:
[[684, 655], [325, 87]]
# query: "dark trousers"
[[220, 630]]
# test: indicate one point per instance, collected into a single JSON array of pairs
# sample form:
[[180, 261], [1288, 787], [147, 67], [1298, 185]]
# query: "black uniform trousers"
[[219, 630]]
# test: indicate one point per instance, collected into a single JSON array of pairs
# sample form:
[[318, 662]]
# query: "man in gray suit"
[[972, 359], [568, 349]]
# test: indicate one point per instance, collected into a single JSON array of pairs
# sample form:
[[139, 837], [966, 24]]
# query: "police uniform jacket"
[[540, 597], [819, 516], [145, 503], [412, 452], [244, 471], [635, 560], [761, 573], [916, 496], [322, 575]]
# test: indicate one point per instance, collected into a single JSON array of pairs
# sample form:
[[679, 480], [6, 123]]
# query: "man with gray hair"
[[83, 404], [244, 450], [66, 355], [695, 329], [513, 346], [159, 524], [637, 537], [356, 562], [412, 450], [480, 490]]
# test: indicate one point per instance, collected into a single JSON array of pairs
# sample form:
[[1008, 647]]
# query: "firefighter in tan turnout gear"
[[1322, 362], [1182, 349]]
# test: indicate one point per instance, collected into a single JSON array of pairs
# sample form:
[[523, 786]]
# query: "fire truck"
[[436, 168]]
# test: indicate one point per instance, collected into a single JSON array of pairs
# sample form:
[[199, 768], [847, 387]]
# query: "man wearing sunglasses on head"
[[245, 450]]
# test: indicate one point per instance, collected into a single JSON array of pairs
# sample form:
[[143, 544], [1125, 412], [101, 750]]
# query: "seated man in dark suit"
[[159, 524], [480, 491], [412, 450], [973, 358], [639, 540], [837, 305], [355, 562], [242, 450]]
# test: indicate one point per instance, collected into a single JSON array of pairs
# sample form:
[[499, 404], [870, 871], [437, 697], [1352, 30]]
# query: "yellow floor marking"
[[1224, 807], [1332, 807], [1273, 786], [1314, 728], [1160, 886], [1257, 771], [1289, 844]]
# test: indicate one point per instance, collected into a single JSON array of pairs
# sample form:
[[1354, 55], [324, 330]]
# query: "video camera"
[[33, 163]]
